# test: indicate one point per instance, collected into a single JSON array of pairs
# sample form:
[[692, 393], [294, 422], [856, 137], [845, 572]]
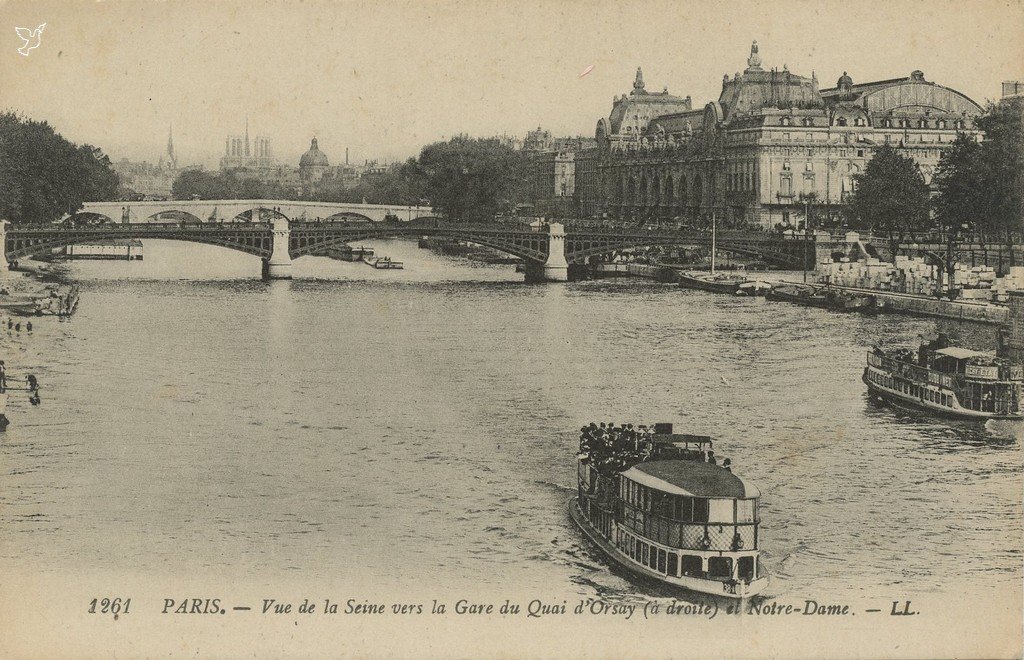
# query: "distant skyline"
[[385, 78]]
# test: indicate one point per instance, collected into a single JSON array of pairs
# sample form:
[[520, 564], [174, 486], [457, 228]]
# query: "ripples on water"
[[408, 425]]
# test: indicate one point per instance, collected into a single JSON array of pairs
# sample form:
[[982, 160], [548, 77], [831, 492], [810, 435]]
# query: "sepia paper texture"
[[131, 482]]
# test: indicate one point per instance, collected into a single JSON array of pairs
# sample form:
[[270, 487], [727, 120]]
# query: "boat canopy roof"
[[958, 353], [677, 438], [691, 479]]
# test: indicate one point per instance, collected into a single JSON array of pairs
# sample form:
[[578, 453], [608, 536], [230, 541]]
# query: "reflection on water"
[[404, 425]]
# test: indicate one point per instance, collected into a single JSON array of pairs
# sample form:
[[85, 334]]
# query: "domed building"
[[313, 165]]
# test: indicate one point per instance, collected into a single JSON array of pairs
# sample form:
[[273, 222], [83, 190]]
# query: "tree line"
[[465, 179], [977, 186], [44, 176]]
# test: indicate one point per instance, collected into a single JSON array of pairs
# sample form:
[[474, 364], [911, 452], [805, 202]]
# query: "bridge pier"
[[556, 268], [279, 265]]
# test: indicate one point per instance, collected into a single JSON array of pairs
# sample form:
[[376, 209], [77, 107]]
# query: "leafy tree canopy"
[[891, 196], [44, 176]]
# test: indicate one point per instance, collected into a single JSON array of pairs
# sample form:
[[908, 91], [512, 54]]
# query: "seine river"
[[420, 428]]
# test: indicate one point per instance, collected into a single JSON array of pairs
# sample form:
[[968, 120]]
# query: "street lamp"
[[808, 200]]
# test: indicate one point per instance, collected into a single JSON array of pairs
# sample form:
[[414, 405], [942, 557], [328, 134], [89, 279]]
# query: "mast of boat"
[[714, 223]]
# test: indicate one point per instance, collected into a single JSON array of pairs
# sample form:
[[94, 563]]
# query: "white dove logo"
[[32, 38]]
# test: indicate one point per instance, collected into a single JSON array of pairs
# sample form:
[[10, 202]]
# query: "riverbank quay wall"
[[933, 307]]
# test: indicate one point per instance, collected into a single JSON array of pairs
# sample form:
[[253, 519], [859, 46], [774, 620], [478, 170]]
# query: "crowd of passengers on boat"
[[610, 448]]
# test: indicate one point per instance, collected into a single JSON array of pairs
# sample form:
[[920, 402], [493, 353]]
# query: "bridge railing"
[[149, 227]]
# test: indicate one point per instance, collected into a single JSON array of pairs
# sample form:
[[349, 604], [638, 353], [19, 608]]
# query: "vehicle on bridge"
[[657, 504], [947, 380]]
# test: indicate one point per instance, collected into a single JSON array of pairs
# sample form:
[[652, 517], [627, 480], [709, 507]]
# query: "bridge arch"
[[347, 216], [313, 240], [250, 240], [579, 248], [259, 214], [174, 216]]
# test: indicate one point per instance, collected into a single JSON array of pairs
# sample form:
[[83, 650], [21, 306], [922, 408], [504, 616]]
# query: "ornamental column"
[[556, 268]]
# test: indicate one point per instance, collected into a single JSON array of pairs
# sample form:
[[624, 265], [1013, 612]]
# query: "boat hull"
[[701, 284], [899, 398], [698, 585]]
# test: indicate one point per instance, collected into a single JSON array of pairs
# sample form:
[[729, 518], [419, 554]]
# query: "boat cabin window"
[[692, 565], [745, 568], [683, 508], [720, 567], [700, 509], [746, 511], [673, 564], [662, 560], [720, 510]]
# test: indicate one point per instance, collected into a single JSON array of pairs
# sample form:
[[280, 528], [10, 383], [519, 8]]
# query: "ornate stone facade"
[[771, 140]]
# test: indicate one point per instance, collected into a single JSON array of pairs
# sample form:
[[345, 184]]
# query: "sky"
[[385, 78]]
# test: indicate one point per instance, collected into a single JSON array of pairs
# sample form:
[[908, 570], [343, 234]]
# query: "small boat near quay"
[[947, 380], [657, 504], [754, 288], [383, 263], [822, 297], [714, 282]]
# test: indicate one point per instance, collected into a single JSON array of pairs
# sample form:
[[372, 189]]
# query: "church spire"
[[247, 135], [170, 146], [638, 84], [754, 61]]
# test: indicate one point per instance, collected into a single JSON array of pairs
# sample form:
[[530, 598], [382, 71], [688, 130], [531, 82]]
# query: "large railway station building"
[[772, 141]]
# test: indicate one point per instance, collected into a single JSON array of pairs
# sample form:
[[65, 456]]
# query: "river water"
[[419, 427]]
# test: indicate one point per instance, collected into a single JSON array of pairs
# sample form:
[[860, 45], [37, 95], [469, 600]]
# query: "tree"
[[959, 204], [1001, 165], [43, 176], [473, 179], [980, 185], [891, 197], [194, 183]]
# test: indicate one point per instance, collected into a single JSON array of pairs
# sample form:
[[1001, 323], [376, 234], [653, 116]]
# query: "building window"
[[959, 123], [808, 167], [808, 121], [886, 123], [922, 123], [859, 121], [841, 121], [860, 153], [786, 121], [785, 166], [785, 136], [786, 185]]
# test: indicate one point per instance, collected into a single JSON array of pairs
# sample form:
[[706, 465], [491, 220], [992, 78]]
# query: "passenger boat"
[[655, 505], [948, 380]]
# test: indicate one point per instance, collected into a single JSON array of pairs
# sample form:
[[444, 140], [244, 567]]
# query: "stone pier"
[[556, 268], [279, 265]]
